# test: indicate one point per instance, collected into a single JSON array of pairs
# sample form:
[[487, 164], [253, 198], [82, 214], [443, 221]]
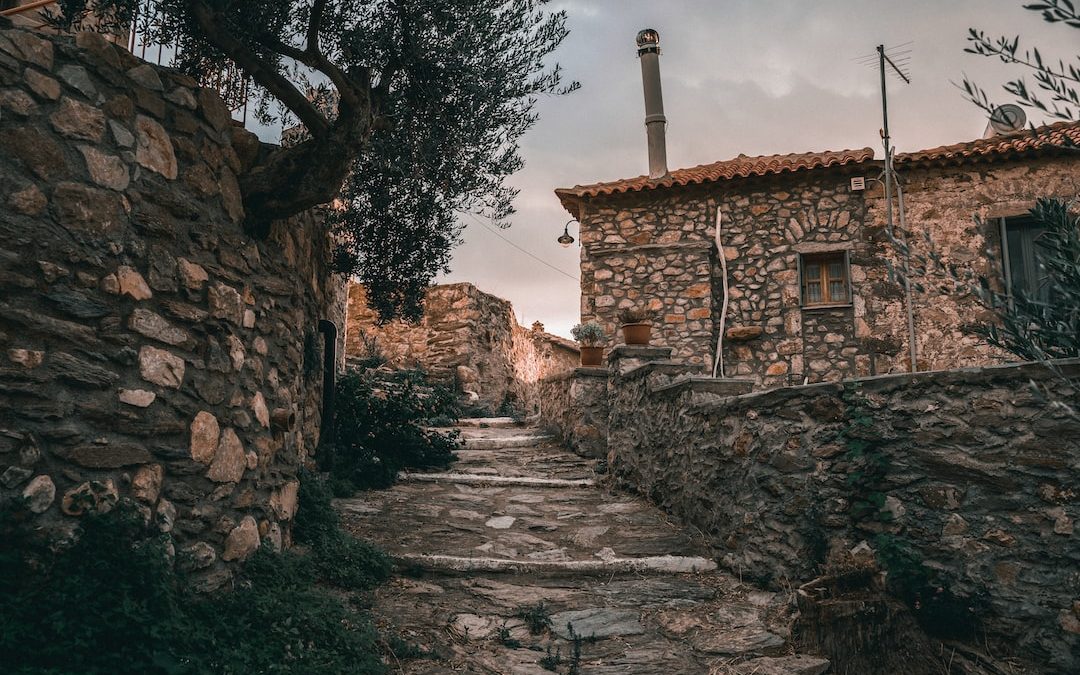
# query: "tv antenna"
[[895, 61]]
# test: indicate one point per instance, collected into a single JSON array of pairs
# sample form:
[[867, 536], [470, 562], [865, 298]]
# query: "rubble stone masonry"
[[150, 350], [958, 209], [468, 339], [655, 248], [977, 479]]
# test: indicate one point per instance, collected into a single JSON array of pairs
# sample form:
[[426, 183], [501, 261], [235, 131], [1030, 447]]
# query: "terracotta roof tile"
[[1049, 137], [740, 167], [1043, 139]]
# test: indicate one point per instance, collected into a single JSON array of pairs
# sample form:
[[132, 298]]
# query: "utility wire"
[[537, 259]]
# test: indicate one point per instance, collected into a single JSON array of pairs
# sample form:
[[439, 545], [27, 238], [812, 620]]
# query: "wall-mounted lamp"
[[565, 239]]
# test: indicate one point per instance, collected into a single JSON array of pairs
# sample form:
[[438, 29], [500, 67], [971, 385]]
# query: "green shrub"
[[381, 427], [111, 603], [536, 617], [315, 518], [337, 558], [349, 563], [104, 604], [278, 621]]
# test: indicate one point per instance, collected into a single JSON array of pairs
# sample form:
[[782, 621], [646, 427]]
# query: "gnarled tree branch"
[[265, 74]]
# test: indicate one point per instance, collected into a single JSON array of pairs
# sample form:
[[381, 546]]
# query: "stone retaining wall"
[[149, 348], [979, 482], [574, 407], [468, 339]]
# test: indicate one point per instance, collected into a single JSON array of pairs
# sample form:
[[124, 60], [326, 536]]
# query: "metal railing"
[[228, 80]]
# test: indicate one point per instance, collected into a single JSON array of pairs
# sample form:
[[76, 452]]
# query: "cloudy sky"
[[739, 76]]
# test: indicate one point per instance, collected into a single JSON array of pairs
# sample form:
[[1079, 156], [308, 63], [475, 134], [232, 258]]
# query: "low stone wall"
[[466, 338], [573, 405], [979, 481], [149, 348]]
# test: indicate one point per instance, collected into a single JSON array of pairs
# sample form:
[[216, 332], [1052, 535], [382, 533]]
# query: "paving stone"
[[796, 664], [501, 522], [514, 546], [600, 622]]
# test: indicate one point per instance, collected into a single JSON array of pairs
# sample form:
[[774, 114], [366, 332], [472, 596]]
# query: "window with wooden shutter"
[[825, 279], [1024, 270]]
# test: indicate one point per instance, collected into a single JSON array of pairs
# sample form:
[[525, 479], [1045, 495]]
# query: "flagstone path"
[[518, 521]]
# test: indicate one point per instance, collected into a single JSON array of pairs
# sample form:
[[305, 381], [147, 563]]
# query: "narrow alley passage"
[[518, 560]]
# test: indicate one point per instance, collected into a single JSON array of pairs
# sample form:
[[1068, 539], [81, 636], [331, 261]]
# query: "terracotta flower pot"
[[592, 356], [636, 333]]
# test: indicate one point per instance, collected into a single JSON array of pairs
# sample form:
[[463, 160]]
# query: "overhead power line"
[[495, 232]]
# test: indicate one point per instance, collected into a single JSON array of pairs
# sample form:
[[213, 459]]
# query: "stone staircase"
[[519, 526]]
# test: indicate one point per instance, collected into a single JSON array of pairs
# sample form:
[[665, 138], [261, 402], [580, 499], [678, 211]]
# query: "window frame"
[[1028, 254], [824, 259]]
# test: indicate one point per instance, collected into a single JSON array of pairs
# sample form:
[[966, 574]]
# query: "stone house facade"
[[151, 350], [468, 339], [807, 254]]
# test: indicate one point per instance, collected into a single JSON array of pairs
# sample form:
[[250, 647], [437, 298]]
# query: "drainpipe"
[[901, 242], [912, 349], [648, 49]]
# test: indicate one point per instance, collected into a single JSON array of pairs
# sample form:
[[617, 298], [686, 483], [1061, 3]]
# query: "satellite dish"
[[1007, 118]]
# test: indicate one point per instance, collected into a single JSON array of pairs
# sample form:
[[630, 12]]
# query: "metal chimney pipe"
[[648, 49]]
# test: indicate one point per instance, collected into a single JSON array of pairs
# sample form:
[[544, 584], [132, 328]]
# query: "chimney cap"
[[648, 38]]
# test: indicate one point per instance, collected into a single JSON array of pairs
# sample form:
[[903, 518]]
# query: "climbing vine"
[[868, 463]]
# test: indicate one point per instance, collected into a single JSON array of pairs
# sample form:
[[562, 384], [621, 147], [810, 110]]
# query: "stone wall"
[[656, 248], [655, 253], [978, 482], [660, 251], [574, 407], [958, 208], [468, 339], [149, 349]]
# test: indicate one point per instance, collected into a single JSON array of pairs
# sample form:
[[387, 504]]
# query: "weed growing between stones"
[[575, 656], [382, 427], [551, 661], [536, 617], [109, 601], [506, 639]]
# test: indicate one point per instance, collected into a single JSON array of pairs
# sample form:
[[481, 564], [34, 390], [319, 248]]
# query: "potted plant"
[[636, 325], [589, 336]]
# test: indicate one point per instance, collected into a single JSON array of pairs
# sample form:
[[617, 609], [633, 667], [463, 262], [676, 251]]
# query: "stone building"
[[468, 339], [807, 255], [151, 350]]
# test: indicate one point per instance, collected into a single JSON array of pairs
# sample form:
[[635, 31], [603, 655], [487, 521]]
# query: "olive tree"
[[431, 98], [1056, 92]]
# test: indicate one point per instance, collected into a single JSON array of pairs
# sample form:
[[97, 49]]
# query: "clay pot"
[[592, 356], [636, 333]]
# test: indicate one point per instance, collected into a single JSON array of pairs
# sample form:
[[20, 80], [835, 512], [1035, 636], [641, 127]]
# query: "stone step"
[[500, 442], [488, 479], [491, 422], [663, 564]]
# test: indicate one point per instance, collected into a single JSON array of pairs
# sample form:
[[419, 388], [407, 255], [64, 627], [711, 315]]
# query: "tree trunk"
[[293, 179]]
